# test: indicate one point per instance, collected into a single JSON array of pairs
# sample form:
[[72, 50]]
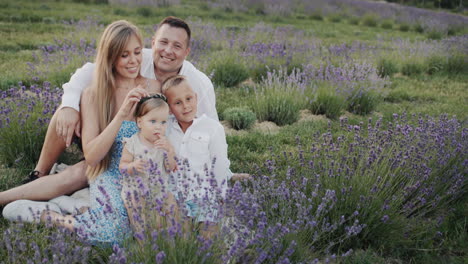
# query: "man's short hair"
[[177, 23]]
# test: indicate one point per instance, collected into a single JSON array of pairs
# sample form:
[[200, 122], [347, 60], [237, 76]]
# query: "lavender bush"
[[26, 112], [26, 243], [374, 183], [279, 98]]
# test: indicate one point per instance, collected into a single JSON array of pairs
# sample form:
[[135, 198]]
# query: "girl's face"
[[153, 124], [128, 64]]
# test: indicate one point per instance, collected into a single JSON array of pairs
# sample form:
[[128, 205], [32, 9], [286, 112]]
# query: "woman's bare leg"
[[45, 188]]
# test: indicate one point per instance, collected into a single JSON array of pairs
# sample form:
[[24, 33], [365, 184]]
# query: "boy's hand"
[[138, 165]]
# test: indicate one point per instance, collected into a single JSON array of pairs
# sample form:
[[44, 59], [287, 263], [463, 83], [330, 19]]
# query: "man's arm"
[[68, 116], [78, 82]]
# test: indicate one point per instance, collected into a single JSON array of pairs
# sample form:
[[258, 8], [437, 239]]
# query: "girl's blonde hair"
[[113, 41], [149, 103]]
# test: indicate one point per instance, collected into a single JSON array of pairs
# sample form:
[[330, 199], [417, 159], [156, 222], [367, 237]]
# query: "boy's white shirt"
[[200, 83], [203, 141]]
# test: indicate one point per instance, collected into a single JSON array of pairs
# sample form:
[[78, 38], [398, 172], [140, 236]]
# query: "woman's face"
[[153, 125], [128, 64]]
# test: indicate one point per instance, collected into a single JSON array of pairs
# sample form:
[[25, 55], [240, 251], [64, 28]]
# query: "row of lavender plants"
[[365, 185], [428, 20], [257, 49]]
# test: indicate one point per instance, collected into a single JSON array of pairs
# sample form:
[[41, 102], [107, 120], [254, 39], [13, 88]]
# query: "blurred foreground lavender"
[[373, 182]]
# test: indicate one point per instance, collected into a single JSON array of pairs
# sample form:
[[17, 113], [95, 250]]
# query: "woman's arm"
[[96, 144]]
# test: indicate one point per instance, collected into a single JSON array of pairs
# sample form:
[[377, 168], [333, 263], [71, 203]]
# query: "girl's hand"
[[163, 143], [128, 106], [138, 165]]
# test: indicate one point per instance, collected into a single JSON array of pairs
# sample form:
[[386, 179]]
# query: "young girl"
[[146, 163]]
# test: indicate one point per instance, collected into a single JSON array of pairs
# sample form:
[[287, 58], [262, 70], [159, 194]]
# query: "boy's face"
[[182, 102], [153, 124]]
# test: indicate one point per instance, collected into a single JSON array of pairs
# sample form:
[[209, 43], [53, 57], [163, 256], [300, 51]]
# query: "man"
[[166, 58]]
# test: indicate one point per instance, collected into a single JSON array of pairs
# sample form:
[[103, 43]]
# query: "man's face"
[[170, 48]]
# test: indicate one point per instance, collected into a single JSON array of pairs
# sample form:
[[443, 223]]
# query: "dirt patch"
[[263, 127], [305, 115], [266, 127]]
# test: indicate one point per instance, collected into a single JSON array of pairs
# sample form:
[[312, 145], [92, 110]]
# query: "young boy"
[[201, 149]]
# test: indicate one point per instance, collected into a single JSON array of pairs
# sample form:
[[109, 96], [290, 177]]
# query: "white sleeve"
[[208, 101], [78, 82], [218, 150]]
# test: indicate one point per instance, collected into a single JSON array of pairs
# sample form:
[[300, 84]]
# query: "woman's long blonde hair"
[[111, 46]]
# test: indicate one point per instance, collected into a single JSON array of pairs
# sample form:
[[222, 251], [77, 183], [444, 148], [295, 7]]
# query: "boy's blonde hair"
[[172, 81]]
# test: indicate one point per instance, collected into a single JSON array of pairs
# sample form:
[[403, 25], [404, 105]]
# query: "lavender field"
[[351, 116]]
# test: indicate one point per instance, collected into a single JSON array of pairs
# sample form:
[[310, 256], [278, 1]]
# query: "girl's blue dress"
[[106, 221]]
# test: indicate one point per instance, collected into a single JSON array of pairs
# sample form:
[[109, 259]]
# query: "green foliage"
[[316, 16], [178, 249], [399, 95], [387, 24], [354, 20], [144, 11], [282, 108], [91, 1], [418, 28], [277, 101], [386, 67], [260, 72], [412, 68], [434, 34], [369, 20], [22, 140], [457, 64], [452, 65], [326, 102], [363, 102], [435, 64], [239, 118], [404, 27], [335, 18], [121, 12], [228, 73]]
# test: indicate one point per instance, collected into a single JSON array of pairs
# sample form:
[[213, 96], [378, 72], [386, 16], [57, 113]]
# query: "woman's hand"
[[129, 104]]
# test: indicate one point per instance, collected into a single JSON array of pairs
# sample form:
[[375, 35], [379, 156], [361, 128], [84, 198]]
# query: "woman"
[[107, 117]]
